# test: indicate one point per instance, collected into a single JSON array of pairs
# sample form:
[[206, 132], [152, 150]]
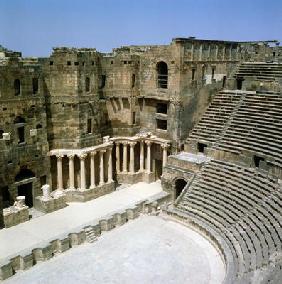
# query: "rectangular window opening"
[[161, 124], [162, 108]]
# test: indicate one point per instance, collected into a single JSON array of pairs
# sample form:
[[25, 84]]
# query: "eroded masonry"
[[204, 116]]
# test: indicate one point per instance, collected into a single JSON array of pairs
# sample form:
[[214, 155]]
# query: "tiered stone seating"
[[255, 126], [260, 70], [243, 205], [212, 123]]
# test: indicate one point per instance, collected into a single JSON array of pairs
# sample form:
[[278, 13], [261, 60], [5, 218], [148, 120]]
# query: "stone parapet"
[[13, 215]]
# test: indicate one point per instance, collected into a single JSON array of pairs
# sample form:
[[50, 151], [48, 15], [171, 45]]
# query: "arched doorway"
[[179, 186], [162, 75], [25, 185]]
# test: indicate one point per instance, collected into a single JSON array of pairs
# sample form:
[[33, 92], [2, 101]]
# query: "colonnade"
[[106, 161], [102, 153], [143, 167]]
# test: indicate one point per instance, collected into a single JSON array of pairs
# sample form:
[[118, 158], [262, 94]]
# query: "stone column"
[[124, 162], [117, 158], [82, 171], [141, 156], [59, 172], [92, 169], [110, 166], [132, 144], [148, 156], [200, 52], [71, 171], [101, 153], [164, 147]]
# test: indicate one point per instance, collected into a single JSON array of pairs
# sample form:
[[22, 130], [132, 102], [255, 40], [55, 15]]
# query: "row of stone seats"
[[255, 126], [214, 119], [261, 70], [243, 205]]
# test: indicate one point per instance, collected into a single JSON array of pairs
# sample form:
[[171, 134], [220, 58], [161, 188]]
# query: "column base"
[[57, 193]]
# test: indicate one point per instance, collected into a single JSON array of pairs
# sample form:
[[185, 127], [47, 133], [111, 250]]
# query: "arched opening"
[[17, 87], [87, 84], [25, 189], [179, 186], [34, 86], [19, 124], [162, 75]]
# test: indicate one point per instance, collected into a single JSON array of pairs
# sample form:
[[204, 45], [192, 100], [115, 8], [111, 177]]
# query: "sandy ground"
[[146, 250]]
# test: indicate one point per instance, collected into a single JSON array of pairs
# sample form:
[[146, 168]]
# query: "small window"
[[89, 125], [68, 63], [223, 81], [193, 74], [93, 63], [133, 117], [133, 81], [76, 63], [1, 134], [34, 86], [162, 75], [17, 87], [21, 135], [201, 147], [87, 84], [273, 54], [162, 108], [112, 62], [38, 126], [124, 62], [83, 63], [161, 124], [203, 72], [51, 63]]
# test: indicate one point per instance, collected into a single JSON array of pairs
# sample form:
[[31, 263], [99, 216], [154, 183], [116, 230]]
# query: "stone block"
[[120, 218], [42, 254], [63, 245], [6, 271]]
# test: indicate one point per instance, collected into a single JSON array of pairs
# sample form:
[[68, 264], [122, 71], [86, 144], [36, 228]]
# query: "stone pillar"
[[110, 166], [148, 156], [164, 147], [141, 156], [200, 52], [46, 192], [132, 144], [82, 171], [71, 171], [59, 172], [117, 158], [101, 153], [124, 162], [92, 169]]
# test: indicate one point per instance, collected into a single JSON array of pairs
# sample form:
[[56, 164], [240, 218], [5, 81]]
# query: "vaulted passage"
[[179, 186]]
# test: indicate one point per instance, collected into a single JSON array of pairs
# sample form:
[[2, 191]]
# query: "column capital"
[[125, 143], [71, 156], [132, 144], [82, 156], [149, 143], [59, 156], [164, 145], [92, 154], [102, 151]]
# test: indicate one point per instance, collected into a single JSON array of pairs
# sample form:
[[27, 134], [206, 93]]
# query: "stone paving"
[[149, 249], [29, 235]]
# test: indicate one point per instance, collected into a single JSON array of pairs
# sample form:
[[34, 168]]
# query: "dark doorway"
[[201, 147], [6, 197], [26, 190], [257, 160], [223, 81], [158, 169], [179, 186], [239, 82]]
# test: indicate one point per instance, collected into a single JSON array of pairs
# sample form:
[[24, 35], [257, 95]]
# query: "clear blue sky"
[[35, 26]]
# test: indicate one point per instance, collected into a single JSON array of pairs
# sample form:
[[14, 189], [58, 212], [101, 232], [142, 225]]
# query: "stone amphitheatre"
[[149, 164]]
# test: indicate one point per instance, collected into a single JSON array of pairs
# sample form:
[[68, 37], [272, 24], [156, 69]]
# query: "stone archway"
[[179, 186]]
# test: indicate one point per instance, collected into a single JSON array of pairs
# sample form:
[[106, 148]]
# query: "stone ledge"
[[13, 216], [87, 233]]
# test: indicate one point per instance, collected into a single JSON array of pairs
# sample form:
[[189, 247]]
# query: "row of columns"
[[131, 156], [124, 168], [82, 169]]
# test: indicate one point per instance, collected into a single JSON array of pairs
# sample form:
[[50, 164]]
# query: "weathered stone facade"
[[55, 111]]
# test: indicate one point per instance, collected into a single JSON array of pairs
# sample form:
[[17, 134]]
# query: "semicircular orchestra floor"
[[149, 249]]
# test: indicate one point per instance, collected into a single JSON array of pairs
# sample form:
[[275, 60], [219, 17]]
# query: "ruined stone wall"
[[23, 138], [72, 88]]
